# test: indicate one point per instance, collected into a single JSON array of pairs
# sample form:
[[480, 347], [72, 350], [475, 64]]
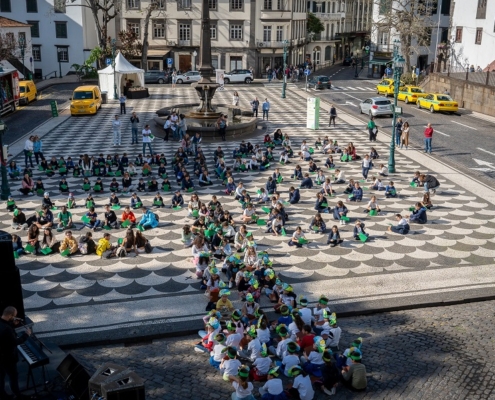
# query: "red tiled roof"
[[7, 22]]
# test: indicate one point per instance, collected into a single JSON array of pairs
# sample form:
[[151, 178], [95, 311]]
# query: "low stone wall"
[[470, 95]]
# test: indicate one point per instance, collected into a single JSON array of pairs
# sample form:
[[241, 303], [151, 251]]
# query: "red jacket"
[[428, 132]]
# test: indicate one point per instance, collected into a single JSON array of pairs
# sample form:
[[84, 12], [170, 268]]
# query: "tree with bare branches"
[[410, 20], [8, 46]]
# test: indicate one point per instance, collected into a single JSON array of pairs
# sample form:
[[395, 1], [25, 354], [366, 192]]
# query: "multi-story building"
[[62, 33], [473, 34], [347, 24], [243, 33], [435, 28], [18, 34]]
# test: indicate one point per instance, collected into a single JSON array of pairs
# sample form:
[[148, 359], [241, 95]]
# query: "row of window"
[[160, 29], [267, 33], [477, 38], [60, 29], [186, 4], [32, 6], [62, 53]]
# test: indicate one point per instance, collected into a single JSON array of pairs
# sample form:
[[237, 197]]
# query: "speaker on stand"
[[75, 376], [10, 282]]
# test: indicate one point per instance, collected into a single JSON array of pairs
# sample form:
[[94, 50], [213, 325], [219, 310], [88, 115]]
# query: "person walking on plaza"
[[28, 151], [405, 135], [266, 108], [398, 131], [174, 78], [146, 133], [222, 126], [122, 100], [134, 128], [8, 352], [221, 82], [333, 115], [372, 129], [116, 130], [38, 149], [428, 137], [255, 104]]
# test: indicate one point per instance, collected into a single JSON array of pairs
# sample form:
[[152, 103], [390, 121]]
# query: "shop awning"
[[381, 61], [158, 52]]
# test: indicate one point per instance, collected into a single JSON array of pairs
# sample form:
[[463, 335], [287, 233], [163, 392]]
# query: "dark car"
[[347, 61], [157, 77], [320, 82]]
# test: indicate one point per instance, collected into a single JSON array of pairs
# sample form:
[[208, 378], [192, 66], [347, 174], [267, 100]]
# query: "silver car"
[[188, 77], [376, 106]]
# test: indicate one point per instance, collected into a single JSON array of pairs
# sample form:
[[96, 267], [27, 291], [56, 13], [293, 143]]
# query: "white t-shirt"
[[306, 315], [316, 358], [263, 335], [334, 336], [231, 367], [282, 347], [274, 386], [293, 329], [366, 163], [254, 347], [233, 340], [372, 205], [289, 361], [146, 135], [248, 212], [241, 392], [319, 311], [263, 365], [303, 385], [217, 352]]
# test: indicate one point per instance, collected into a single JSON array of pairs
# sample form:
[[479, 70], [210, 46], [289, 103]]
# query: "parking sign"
[[170, 62], [109, 61]]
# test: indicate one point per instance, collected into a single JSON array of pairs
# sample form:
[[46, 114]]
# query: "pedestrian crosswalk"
[[354, 88], [301, 85]]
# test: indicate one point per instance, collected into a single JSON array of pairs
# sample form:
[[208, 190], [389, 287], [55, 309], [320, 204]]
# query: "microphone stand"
[[35, 338]]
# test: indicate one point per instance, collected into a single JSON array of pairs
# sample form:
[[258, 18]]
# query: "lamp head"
[[2, 126]]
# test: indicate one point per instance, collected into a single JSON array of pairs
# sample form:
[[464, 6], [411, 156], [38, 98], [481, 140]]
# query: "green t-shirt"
[[371, 124], [64, 216]]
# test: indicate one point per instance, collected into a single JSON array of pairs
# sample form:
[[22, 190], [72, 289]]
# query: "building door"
[[185, 62], [235, 62]]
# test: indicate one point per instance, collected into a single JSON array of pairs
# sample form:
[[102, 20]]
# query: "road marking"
[[441, 133], [487, 166], [470, 127], [350, 103], [354, 97], [486, 151]]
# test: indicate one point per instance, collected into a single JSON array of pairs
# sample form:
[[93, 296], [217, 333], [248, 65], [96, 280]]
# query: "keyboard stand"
[[30, 377]]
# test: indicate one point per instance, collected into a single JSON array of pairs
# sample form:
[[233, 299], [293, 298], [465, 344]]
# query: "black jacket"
[[8, 343]]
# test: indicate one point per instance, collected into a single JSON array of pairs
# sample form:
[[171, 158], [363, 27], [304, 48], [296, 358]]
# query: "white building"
[[19, 33], [473, 34], [421, 55], [62, 33], [244, 33]]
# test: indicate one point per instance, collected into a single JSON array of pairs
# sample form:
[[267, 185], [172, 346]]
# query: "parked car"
[[386, 87], [438, 102], [237, 76], [410, 94], [157, 77], [347, 61], [27, 91], [320, 82], [85, 100], [375, 106], [189, 77]]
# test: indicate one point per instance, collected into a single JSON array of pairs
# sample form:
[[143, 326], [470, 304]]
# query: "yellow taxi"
[[438, 102], [27, 91], [85, 100], [386, 87], [410, 94]]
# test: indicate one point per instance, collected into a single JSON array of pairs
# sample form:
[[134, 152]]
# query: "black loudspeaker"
[[75, 376], [124, 386], [105, 373], [10, 282]]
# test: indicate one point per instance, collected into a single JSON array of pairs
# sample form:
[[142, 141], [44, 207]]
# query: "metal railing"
[[47, 75], [467, 74], [269, 44]]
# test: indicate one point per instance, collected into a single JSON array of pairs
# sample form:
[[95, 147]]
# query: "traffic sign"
[[108, 61], [170, 62], [307, 72], [367, 48], [54, 108]]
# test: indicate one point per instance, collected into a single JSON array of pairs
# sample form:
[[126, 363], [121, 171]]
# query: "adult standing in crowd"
[[116, 130], [266, 108], [255, 104], [8, 351], [222, 126], [428, 137], [134, 128], [146, 133], [398, 131], [122, 100], [28, 151], [333, 116], [38, 149]]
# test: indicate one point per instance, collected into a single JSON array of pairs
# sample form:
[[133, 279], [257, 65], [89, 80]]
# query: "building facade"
[[19, 34], [62, 33], [244, 34], [473, 35], [422, 53], [347, 26]]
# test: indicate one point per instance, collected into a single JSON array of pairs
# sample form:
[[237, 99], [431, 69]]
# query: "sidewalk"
[[40, 85]]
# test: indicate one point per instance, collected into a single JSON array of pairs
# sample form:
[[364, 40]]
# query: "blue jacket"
[[37, 146], [149, 219], [355, 231], [271, 186], [318, 204], [298, 174], [322, 225], [419, 216], [265, 106], [357, 193], [307, 183], [294, 197]]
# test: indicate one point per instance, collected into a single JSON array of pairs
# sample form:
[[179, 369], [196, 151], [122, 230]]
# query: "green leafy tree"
[[314, 25]]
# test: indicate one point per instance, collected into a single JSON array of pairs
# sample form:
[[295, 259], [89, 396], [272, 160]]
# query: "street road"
[[26, 118], [461, 139]]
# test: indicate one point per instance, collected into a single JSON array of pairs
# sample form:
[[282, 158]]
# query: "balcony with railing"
[[273, 44], [281, 13], [330, 16]]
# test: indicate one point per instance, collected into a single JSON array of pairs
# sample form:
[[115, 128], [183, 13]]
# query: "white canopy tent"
[[123, 70]]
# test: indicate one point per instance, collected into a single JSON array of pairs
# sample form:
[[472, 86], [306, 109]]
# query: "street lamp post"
[[5, 193], [356, 75], [194, 54], [114, 43], [284, 84], [22, 47], [398, 65]]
